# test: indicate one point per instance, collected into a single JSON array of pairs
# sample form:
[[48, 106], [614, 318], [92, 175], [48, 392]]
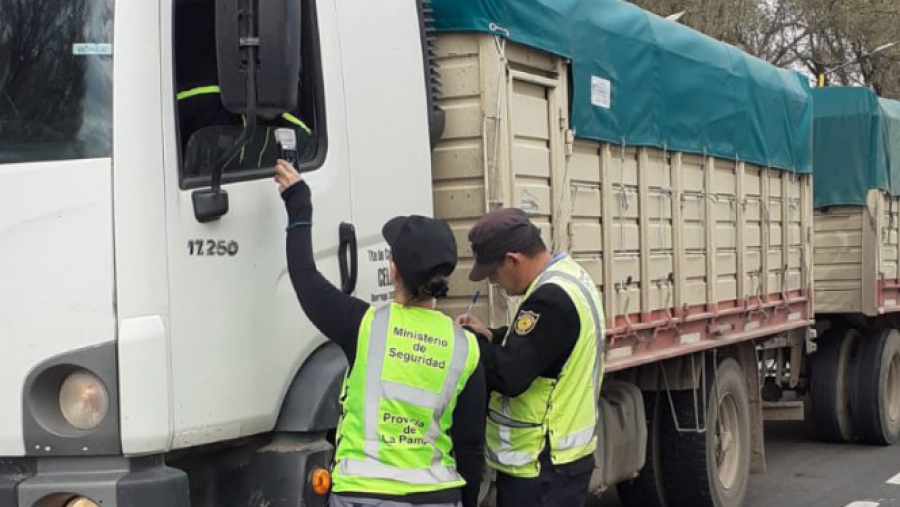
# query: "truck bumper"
[[110, 482]]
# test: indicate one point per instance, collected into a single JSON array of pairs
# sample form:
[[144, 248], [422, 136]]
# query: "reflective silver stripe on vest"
[[374, 366], [510, 458], [598, 326], [505, 431], [576, 439], [412, 395], [451, 383], [503, 454], [378, 470], [376, 389], [508, 421]]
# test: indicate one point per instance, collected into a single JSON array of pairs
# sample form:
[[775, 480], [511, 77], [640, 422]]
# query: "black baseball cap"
[[421, 247], [496, 234]]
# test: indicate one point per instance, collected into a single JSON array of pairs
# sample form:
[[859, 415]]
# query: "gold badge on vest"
[[525, 322]]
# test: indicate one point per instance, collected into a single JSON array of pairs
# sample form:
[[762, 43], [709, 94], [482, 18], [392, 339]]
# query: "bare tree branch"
[[807, 35]]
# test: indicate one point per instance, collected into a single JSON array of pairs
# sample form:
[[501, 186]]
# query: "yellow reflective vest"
[[411, 365], [562, 411]]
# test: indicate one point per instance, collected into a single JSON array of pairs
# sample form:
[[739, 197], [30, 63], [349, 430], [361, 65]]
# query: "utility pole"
[[879, 49]]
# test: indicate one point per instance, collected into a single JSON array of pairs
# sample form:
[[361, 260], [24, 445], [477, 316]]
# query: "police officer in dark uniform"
[[412, 428], [544, 371]]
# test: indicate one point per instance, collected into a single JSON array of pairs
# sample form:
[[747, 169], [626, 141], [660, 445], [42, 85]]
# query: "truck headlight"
[[81, 502], [83, 400]]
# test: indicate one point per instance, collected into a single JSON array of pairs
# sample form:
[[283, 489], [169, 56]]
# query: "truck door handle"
[[347, 257]]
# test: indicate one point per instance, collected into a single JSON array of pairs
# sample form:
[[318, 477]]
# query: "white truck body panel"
[[145, 377], [386, 122], [56, 272], [98, 250]]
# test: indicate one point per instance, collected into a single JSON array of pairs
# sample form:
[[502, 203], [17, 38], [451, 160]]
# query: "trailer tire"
[[831, 370], [647, 489], [710, 469], [876, 389]]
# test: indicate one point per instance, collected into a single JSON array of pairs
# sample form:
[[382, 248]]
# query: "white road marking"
[[894, 480], [863, 504]]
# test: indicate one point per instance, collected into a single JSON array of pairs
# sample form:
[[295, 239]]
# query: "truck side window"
[[55, 80], [206, 129]]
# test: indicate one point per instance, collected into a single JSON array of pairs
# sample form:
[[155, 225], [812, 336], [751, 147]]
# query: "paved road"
[[802, 473]]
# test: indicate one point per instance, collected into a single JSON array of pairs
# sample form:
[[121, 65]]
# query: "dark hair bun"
[[437, 287]]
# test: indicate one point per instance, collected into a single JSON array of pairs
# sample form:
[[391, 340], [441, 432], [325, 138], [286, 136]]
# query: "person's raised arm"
[[335, 314]]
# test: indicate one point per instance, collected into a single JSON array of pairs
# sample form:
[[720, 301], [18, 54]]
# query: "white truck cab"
[[142, 345], [154, 351]]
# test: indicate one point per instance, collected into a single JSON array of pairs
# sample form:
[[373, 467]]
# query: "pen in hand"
[[473, 302], [471, 323]]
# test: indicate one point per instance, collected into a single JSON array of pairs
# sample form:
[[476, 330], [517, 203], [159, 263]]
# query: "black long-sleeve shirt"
[[539, 348], [339, 316]]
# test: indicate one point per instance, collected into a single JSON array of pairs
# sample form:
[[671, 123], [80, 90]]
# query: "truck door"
[[237, 332]]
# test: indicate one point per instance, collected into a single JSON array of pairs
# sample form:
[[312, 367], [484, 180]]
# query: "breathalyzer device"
[[287, 146]]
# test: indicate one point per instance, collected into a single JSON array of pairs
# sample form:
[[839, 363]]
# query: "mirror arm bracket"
[[212, 203]]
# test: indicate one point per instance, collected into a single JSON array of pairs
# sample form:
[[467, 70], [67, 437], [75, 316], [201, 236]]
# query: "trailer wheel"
[[830, 371], [876, 389], [712, 468], [646, 490]]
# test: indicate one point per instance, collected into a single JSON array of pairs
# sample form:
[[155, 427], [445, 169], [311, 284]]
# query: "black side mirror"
[[278, 54], [209, 205], [258, 76]]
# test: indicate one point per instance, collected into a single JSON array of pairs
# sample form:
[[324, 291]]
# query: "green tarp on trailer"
[[856, 145], [639, 79]]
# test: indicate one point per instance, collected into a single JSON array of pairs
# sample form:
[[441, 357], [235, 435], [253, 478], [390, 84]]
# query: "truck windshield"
[[55, 80]]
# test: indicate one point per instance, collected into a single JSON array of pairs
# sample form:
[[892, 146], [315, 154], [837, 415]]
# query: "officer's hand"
[[472, 323], [286, 175]]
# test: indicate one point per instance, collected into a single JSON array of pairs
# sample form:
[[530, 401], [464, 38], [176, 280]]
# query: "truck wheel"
[[646, 490], [710, 469], [876, 389], [830, 370]]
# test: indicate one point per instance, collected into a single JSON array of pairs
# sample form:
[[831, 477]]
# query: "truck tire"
[[647, 490], [876, 389], [712, 468], [830, 371]]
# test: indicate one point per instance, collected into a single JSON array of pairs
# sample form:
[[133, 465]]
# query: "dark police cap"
[[496, 234], [421, 247]]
